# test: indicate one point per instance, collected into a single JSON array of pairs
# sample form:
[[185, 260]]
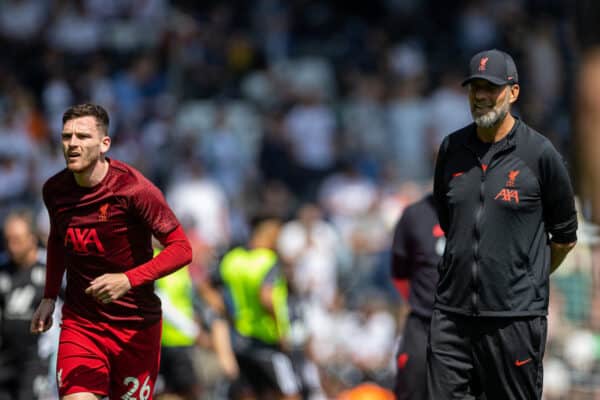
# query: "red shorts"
[[111, 361]]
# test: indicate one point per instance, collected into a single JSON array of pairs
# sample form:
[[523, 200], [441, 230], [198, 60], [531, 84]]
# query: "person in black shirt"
[[416, 250], [505, 202], [23, 372]]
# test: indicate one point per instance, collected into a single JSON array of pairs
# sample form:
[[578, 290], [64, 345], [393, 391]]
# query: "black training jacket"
[[498, 220], [417, 249]]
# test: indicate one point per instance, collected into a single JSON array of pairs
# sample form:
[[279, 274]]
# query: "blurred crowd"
[[324, 114]]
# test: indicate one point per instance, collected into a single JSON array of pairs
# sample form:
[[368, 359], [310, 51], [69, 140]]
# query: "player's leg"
[[509, 356], [449, 358], [177, 368], [134, 363], [7, 389], [411, 376], [33, 378], [279, 371], [269, 371], [82, 364]]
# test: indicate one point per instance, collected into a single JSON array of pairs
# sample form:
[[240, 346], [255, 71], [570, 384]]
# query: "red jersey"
[[107, 228]]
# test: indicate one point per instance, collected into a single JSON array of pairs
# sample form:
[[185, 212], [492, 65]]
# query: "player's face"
[[19, 239], [83, 143], [489, 103]]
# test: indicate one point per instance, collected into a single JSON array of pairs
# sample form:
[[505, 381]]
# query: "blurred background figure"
[[24, 360], [180, 334], [256, 297], [417, 247]]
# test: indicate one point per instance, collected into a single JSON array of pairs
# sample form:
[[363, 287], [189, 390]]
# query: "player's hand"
[[41, 320], [109, 287]]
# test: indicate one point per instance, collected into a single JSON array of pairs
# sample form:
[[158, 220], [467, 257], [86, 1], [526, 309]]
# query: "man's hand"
[[108, 287], [42, 317], [558, 252]]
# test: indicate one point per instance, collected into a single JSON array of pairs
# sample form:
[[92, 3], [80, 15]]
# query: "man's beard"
[[493, 117]]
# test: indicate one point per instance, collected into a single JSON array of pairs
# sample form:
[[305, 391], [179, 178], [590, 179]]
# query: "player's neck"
[[93, 175], [498, 132]]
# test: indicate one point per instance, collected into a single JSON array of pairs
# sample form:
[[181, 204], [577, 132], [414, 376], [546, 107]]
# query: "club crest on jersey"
[[512, 175], [483, 63], [103, 212], [82, 240], [507, 194]]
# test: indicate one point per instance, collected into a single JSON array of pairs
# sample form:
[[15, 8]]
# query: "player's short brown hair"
[[88, 109]]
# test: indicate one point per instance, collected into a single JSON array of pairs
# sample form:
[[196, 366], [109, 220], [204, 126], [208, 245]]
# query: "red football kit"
[[110, 349]]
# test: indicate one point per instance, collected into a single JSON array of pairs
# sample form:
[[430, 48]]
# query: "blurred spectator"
[[448, 108], [253, 281], [345, 196], [23, 365], [180, 333], [23, 20], [225, 157], [363, 119], [134, 86], [75, 29], [407, 115], [314, 251], [195, 196], [310, 126]]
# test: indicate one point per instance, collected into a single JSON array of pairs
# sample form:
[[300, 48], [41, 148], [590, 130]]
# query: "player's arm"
[[558, 201], [439, 186], [177, 253], [401, 260], [148, 204], [221, 340], [267, 289], [41, 320], [558, 252]]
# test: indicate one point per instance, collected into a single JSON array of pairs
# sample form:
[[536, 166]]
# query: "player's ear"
[[105, 144], [514, 92]]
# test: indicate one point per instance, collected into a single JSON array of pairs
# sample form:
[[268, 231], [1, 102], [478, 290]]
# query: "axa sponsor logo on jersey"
[[83, 240], [507, 193]]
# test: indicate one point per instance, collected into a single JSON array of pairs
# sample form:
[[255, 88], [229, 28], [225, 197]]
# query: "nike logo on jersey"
[[519, 363]]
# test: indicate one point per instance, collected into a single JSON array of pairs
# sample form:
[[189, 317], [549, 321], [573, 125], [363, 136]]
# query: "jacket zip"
[[477, 236], [477, 231]]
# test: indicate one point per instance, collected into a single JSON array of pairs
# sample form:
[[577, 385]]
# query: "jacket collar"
[[511, 137]]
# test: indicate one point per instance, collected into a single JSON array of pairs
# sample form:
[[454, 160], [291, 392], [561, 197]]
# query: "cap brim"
[[491, 79]]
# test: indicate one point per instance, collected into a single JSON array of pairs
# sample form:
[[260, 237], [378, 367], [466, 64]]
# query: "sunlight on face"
[[489, 103], [83, 143]]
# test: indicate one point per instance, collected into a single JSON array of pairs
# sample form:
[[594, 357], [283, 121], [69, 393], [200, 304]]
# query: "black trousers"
[[485, 358], [411, 360]]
